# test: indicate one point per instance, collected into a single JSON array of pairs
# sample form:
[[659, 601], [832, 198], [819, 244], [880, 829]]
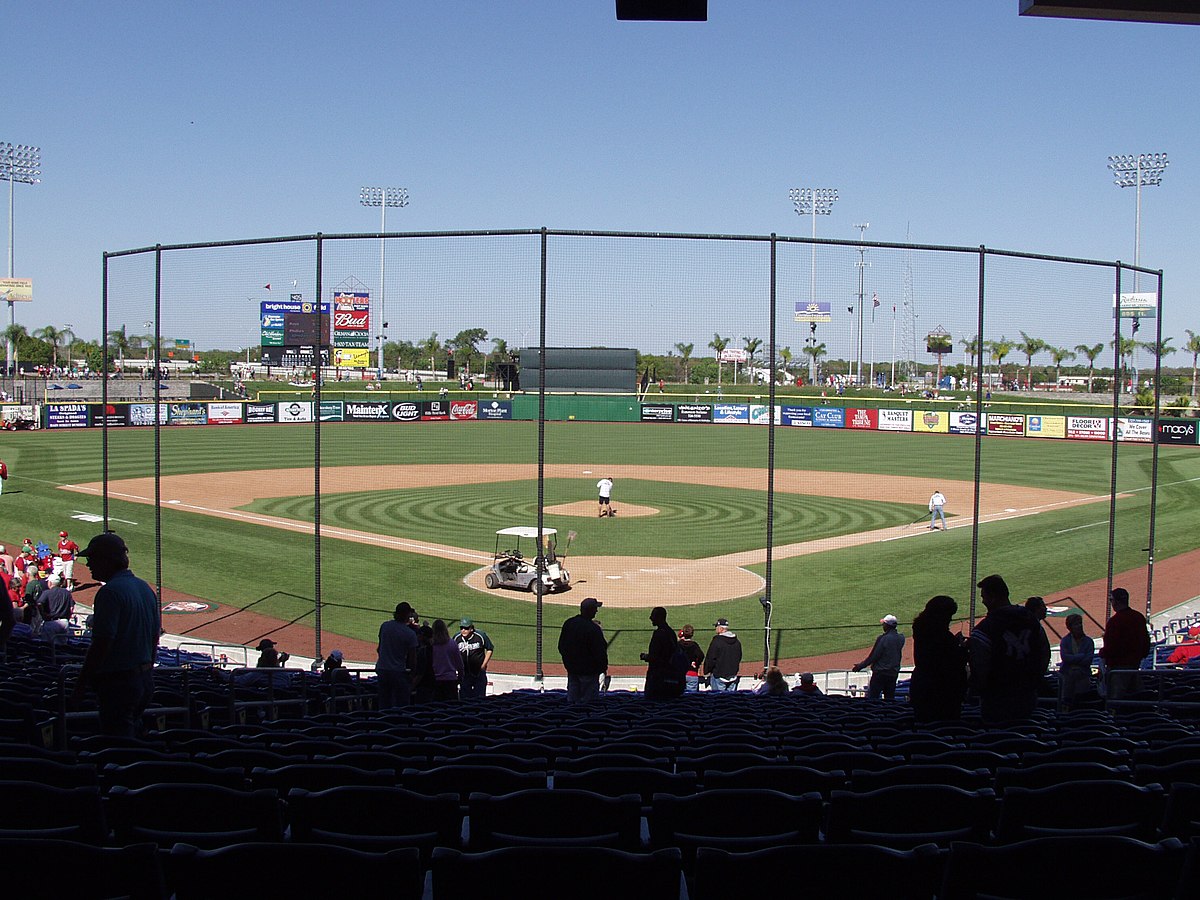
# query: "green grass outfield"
[[824, 602]]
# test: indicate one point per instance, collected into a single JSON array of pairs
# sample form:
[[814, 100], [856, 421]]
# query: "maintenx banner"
[[368, 411]]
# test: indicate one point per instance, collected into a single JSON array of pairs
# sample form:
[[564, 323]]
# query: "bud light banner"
[[731, 413], [67, 415], [464, 409], [693, 412], [373, 411], [797, 415], [495, 409], [406, 411], [829, 417]]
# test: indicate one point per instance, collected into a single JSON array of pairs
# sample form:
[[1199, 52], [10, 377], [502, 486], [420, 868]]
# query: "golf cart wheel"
[[491, 581]]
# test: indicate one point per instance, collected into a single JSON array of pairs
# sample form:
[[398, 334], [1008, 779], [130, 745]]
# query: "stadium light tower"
[[1135, 171], [383, 197], [18, 163], [813, 202]]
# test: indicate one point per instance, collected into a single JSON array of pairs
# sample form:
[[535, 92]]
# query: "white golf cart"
[[512, 569]]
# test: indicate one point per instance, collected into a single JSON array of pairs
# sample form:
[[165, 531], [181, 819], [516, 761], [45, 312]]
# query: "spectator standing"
[[695, 657], [939, 678], [3, 474], [447, 663], [723, 661], [1008, 654], [125, 631], [8, 616], [6, 560], [884, 661], [422, 673], [1126, 644], [1075, 652], [476, 648], [56, 606], [663, 681], [584, 653], [397, 649]]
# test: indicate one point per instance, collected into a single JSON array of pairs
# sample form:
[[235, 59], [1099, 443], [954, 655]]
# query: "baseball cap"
[[466, 623], [889, 619], [336, 654], [721, 623], [264, 644], [108, 543], [62, 534], [590, 603]]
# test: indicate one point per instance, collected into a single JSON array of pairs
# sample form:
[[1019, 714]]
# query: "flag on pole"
[[874, 304], [267, 286]]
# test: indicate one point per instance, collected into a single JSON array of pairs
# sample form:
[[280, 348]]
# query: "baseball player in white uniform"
[[605, 486]]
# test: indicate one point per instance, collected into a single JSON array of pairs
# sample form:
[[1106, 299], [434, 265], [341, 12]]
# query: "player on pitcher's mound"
[[605, 486]]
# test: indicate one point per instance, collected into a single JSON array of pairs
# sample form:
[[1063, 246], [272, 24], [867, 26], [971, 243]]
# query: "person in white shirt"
[[937, 504], [605, 486]]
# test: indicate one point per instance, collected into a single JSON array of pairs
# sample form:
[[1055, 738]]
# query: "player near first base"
[[67, 551]]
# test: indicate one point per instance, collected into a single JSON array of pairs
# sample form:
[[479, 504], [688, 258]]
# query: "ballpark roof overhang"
[[1174, 12]]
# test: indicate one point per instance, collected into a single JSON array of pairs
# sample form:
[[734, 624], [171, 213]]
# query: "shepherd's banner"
[[1087, 428], [797, 415], [224, 414], [188, 414], [813, 312], [295, 411], [862, 419], [929, 421], [1006, 424], [658, 412], [731, 413], [895, 420], [1138, 431], [143, 414], [495, 409], [1046, 426], [1177, 431], [693, 412], [260, 413], [829, 417], [964, 422], [16, 290], [1139, 305], [66, 415]]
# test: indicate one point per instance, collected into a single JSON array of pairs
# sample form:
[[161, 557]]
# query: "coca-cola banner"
[[464, 409]]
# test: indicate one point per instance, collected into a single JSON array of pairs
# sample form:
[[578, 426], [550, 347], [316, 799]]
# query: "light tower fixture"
[[19, 163], [1142, 170], [383, 197], [813, 202]]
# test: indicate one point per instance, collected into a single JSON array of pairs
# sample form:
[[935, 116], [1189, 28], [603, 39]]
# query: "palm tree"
[[785, 356], [752, 345], [1031, 347], [1059, 355], [55, 337], [685, 352], [970, 347], [1091, 352], [814, 352], [1159, 349], [499, 354], [1125, 350], [119, 340], [1193, 347], [431, 345], [1000, 349], [718, 344], [13, 335]]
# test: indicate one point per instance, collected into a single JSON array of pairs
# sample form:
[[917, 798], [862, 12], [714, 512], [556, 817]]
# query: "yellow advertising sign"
[[349, 358], [929, 421], [16, 290], [1046, 426]]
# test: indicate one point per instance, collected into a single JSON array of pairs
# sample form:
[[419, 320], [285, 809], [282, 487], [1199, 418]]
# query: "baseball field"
[[410, 512]]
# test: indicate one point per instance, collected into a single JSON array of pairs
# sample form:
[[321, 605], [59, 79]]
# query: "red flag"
[[267, 286], [875, 299]]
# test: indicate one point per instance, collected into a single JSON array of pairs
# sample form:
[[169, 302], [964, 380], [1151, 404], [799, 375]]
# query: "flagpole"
[[874, 306], [893, 345]]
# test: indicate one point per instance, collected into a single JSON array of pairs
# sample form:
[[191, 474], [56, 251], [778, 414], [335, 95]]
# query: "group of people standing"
[[420, 662]]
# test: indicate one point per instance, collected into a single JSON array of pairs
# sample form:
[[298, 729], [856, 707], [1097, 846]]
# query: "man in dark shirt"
[[584, 653], [723, 661], [476, 648], [1009, 652], [1126, 644]]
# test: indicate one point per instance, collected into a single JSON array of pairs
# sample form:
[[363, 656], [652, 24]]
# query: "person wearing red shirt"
[[1184, 653], [67, 550], [1126, 643]]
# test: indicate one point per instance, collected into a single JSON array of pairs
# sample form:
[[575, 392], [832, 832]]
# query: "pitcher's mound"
[[589, 508]]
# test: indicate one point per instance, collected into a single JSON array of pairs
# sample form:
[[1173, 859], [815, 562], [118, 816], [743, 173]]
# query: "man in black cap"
[[476, 648], [584, 653], [397, 655], [269, 657], [723, 660], [125, 631], [1009, 653]]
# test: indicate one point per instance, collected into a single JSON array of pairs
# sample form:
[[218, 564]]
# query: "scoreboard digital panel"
[[300, 329]]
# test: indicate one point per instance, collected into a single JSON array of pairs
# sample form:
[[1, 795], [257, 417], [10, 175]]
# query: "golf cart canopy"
[[526, 531]]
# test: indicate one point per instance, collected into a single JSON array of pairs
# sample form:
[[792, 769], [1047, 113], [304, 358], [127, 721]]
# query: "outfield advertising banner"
[[693, 412], [895, 420], [731, 413], [862, 419], [928, 421], [260, 413], [1087, 428], [351, 359], [435, 410], [657, 412], [829, 417], [1006, 424], [759, 414], [143, 414], [495, 409], [367, 411], [1177, 431], [224, 414], [406, 411], [295, 411], [964, 423], [801, 416], [188, 414], [331, 410], [1134, 431], [1046, 426], [463, 410], [116, 415], [67, 415]]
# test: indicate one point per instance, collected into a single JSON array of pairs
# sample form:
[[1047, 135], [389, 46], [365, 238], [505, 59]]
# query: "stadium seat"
[[1182, 817], [613, 781], [818, 870], [535, 764], [44, 869], [293, 870], [905, 816], [1052, 773], [1185, 771], [196, 814], [375, 818], [317, 776], [466, 780], [1081, 808], [44, 811], [552, 873], [555, 818], [613, 758], [862, 780], [849, 760], [48, 771], [726, 762], [788, 779], [1076, 753], [142, 774], [1100, 867]]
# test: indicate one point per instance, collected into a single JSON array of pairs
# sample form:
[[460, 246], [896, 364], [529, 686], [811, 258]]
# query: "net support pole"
[[975, 500]]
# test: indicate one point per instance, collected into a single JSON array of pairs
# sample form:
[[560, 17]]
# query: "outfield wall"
[[1137, 430]]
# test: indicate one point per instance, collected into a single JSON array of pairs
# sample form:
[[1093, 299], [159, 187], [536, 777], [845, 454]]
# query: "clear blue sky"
[[960, 121]]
